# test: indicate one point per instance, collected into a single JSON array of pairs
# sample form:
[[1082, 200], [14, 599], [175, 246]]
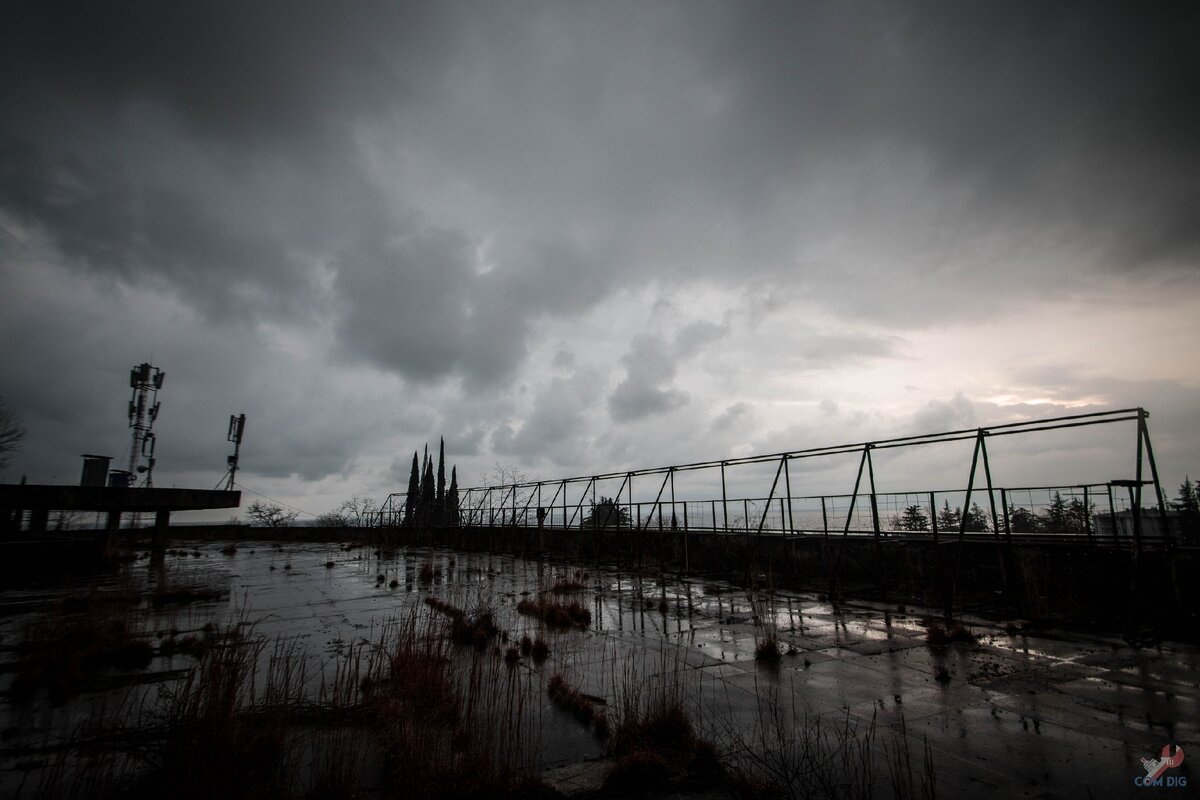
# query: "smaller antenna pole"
[[237, 425]]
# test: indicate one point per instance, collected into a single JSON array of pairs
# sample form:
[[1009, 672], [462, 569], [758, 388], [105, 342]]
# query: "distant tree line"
[[357, 512], [1061, 515], [1187, 503]]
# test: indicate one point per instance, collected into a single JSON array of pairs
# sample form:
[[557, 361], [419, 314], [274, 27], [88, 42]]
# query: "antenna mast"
[[237, 425], [145, 380]]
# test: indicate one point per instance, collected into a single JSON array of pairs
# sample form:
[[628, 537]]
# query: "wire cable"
[[273, 500]]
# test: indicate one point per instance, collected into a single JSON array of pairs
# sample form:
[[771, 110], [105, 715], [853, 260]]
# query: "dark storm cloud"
[[697, 128], [1074, 105], [260, 73]]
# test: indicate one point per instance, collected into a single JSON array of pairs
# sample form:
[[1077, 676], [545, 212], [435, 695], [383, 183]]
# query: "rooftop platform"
[[40, 499], [103, 498]]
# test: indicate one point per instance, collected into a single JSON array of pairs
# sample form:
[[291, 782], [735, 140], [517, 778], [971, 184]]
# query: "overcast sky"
[[582, 237]]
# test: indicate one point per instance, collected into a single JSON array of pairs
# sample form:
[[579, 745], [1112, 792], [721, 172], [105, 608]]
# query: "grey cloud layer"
[[427, 181], [700, 135]]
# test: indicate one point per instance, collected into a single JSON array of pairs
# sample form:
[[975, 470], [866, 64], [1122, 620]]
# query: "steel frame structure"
[[516, 504]]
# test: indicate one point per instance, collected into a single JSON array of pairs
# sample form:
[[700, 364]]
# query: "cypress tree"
[[441, 475], [452, 498], [414, 493], [427, 494]]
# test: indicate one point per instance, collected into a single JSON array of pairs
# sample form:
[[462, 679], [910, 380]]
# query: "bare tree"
[[269, 515], [12, 433], [359, 511], [503, 475], [333, 519], [500, 475]]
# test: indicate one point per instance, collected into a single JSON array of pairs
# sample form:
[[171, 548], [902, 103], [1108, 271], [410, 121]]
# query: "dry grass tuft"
[[936, 635], [556, 613], [577, 704]]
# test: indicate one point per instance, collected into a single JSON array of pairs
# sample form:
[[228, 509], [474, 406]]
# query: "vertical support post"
[[1136, 494], [1112, 515], [987, 474], [962, 523], [874, 501], [1158, 490], [687, 567], [724, 501], [674, 521], [849, 516], [162, 522], [564, 506], [1133, 516], [787, 486], [629, 478], [1087, 514], [112, 529], [767, 506], [933, 516], [824, 517], [1007, 517], [713, 503], [669, 477]]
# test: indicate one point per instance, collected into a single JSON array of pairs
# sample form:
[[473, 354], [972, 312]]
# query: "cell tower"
[[237, 426], [145, 381]]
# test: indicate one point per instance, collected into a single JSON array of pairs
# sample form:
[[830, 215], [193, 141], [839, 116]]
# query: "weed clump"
[[190, 645], [936, 635], [476, 629], [638, 772], [70, 652], [577, 704], [181, 595], [652, 738], [768, 651], [557, 614]]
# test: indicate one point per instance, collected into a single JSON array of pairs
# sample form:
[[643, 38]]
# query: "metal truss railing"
[[575, 502]]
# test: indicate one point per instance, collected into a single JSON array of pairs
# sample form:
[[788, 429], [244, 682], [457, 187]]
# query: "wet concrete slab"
[[1013, 714]]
